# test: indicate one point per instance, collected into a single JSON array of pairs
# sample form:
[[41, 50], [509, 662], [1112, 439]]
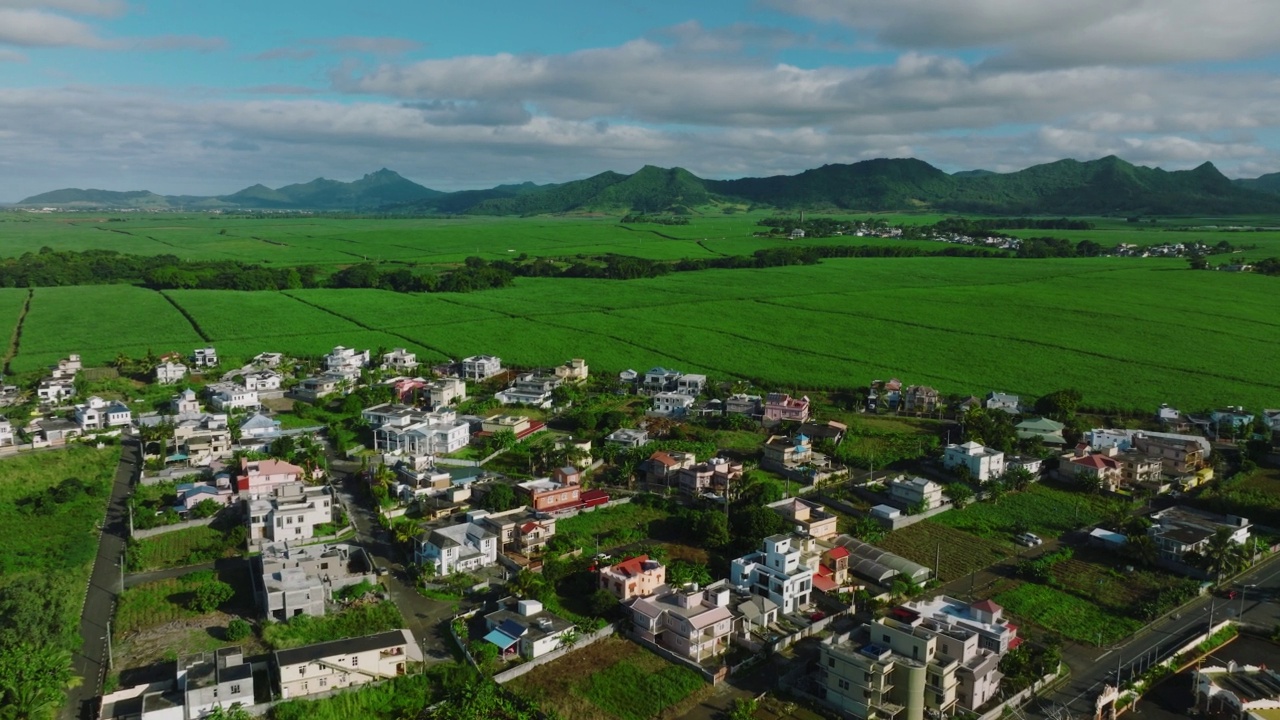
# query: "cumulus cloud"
[[346, 44], [33, 28], [1062, 32]]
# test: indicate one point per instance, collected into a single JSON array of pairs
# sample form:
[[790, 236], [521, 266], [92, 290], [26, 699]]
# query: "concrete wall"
[[203, 522]]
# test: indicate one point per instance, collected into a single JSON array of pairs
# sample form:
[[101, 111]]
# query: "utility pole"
[[937, 561], [110, 662]]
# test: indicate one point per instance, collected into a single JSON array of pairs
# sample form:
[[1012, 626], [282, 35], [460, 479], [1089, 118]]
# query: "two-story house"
[[400, 360], [289, 512], [530, 389], [520, 530], [782, 453], [346, 362], [6, 432], [262, 476], [445, 391], [1180, 530], [920, 399], [300, 579], [205, 357], [693, 622], [170, 373], [664, 466], [714, 475], [574, 371], [211, 680], [320, 386], [627, 437], [337, 664], [230, 396], [1100, 469], [780, 407], [478, 368], [98, 414], [807, 518], [639, 576], [782, 571], [561, 491], [887, 668], [984, 463], [463, 547], [1011, 404], [671, 404], [916, 492], [744, 404], [262, 380]]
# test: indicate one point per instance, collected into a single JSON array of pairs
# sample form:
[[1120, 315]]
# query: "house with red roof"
[[637, 577], [260, 476], [1095, 468], [832, 575], [663, 467]]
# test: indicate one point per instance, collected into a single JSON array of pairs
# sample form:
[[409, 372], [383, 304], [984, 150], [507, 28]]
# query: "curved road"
[[90, 662]]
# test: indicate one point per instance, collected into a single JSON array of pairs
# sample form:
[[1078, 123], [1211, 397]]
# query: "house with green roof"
[[1048, 431]]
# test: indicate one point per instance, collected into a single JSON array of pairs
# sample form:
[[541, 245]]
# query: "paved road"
[[90, 663], [424, 616], [1093, 667]]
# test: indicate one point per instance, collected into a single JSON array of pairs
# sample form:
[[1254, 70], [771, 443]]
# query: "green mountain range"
[[1066, 187]]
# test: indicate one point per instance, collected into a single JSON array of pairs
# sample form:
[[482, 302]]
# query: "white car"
[[1028, 539]]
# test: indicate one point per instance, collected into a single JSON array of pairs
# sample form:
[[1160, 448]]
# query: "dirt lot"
[[165, 643]]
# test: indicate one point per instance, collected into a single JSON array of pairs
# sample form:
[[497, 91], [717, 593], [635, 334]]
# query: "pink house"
[[637, 577], [263, 475], [407, 389], [780, 406]]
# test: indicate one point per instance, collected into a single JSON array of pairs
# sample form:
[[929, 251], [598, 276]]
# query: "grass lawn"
[[163, 601], [612, 679], [189, 546], [1096, 576], [1044, 510], [1061, 612], [613, 526], [962, 553]]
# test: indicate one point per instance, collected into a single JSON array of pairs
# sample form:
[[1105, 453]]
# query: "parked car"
[[1028, 539]]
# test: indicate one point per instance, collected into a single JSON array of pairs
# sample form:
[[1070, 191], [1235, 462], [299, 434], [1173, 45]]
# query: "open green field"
[[1043, 510], [1130, 333], [958, 553], [611, 679]]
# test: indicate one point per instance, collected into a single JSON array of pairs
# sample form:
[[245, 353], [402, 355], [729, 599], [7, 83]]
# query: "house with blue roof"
[[525, 628]]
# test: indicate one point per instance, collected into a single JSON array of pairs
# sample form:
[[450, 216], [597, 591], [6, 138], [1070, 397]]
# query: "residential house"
[[170, 373], [9, 395], [520, 530], [6, 432], [446, 391], [694, 623], [1171, 418], [1003, 401], [1031, 464], [629, 376], [68, 366], [1180, 530], [664, 466], [659, 379], [268, 359], [714, 475], [563, 490], [521, 426], [1138, 469], [744, 404], [984, 463], [1231, 420], [204, 357], [55, 431], [400, 360], [1046, 430], [797, 234], [1100, 469], [984, 617], [262, 380], [920, 399], [691, 384], [832, 575], [526, 628], [346, 362], [202, 438], [632, 578], [783, 453], [262, 476], [583, 446], [478, 368], [315, 388], [888, 391], [54, 390], [289, 512], [779, 407], [98, 414], [574, 371], [530, 389], [628, 437], [192, 494], [230, 396], [185, 404], [887, 668], [782, 570], [337, 664], [259, 427], [1178, 455], [968, 404], [299, 580], [406, 430], [830, 430], [463, 547], [407, 389], [807, 518], [977, 674], [1103, 438], [916, 492], [211, 680], [1271, 418], [671, 404]]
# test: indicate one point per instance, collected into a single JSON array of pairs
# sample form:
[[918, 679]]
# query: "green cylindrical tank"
[[910, 683]]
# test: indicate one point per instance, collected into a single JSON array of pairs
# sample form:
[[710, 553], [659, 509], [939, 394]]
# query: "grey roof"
[[319, 651]]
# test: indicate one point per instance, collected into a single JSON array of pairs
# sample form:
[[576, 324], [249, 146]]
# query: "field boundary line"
[[15, 339], [194, 325], [360, 324]]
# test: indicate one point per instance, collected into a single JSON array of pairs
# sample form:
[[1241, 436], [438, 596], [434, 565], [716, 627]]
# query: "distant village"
[[233, 442]]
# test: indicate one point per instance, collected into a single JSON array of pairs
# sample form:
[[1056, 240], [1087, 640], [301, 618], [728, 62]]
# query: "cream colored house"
[[344, 663]]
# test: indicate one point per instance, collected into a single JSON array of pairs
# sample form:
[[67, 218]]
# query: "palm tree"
[[1142, 549], [527, 584], [1223, 554]]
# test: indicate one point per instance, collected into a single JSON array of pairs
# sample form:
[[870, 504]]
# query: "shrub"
[[238, 629], [209, 596]]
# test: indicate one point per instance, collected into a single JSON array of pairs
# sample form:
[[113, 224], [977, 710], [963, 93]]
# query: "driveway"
[[427, 618], [90, 662]]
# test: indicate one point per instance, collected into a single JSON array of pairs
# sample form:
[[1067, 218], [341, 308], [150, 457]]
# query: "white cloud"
[[103, 8], [32, 28], [1063, 32], [388, 47]]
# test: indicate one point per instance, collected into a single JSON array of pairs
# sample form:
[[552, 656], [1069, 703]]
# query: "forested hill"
[[1066, 187]]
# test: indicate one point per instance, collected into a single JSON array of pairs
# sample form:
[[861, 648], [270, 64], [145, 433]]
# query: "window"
[[304, 685], [235, 689], [887, 639], [844, 684], [302, 670], [355, 661], [938, 697], [324, 682], [831, 662]]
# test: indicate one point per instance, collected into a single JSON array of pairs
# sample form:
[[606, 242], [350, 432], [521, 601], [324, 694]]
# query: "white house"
[[337, 664], [259, 427], [263, 380], [445, 391], [204, 357], [268, 359], [1003, 401], [983, 462], [530, 389], [458, 548], [400, 360], [781, 571], [481, 367], [185, 404], [98, 414], [6, 432], [54, 390], [628, 437], [169, 373], [229, 396], [528, 629], [289, 512], [346, 362], [672, 404], [916, 491], [407, 430]]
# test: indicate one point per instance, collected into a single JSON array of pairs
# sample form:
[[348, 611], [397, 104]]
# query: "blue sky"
[[206, 98]]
